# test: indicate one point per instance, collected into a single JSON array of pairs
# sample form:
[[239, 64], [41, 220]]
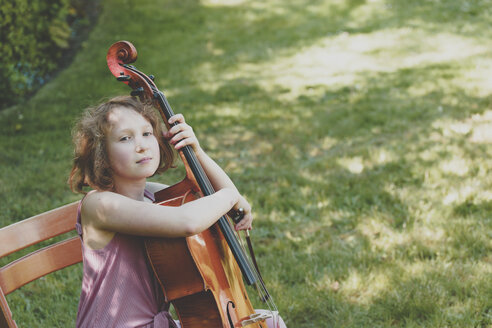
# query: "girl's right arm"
[[112, 212]]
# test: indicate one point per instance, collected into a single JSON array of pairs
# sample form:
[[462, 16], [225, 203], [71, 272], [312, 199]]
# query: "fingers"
[[177, 118], [186, 141], [245, 223], [182, 134], [181, 126]]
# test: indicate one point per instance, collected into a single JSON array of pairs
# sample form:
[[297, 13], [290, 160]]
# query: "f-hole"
[[229, 314]]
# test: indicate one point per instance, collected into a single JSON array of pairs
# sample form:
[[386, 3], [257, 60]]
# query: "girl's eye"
[[125, 138], [146, 134]]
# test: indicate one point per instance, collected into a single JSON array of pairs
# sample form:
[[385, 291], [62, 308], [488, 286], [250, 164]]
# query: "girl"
[[118, 145]]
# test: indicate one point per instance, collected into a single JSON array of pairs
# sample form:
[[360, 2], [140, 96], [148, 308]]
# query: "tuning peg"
[[152, 77], [137, 92], [124, 78]]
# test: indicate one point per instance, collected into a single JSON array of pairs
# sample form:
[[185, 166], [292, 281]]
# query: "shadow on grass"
[[465, 18], [319, 203], [470, 208], [432, 294]]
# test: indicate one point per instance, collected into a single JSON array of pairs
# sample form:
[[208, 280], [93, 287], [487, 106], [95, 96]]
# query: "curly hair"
[[91, 166]]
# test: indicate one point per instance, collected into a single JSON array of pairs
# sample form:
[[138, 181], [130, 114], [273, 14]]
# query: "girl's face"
[[133, 149]]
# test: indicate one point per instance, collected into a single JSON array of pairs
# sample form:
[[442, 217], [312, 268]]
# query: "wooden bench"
[[32, 266]]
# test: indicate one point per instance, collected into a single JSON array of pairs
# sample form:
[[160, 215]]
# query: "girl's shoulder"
[[94, 199], [154, 187]]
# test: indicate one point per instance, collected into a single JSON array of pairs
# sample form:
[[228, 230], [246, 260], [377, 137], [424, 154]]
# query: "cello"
[[205, 283]]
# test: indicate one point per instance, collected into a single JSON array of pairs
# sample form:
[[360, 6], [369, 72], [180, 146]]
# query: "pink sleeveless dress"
[[118, 286]]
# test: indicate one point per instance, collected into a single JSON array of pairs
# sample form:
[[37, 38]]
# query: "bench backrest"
[[32, 266]]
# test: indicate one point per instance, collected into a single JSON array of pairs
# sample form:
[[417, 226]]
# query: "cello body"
[[198, 274]]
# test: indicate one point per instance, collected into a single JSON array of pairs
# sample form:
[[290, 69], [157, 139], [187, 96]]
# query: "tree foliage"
[[33, 36]]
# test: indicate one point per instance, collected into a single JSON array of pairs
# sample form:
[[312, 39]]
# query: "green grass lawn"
[[360, 131]]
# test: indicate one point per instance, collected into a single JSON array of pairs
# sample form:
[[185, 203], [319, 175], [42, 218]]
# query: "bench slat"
[[41, 227], [40, 263]]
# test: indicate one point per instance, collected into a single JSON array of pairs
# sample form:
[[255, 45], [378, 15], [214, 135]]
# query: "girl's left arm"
[[182, 135]]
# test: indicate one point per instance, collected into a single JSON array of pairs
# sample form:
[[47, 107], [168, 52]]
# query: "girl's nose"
[[141, 145]]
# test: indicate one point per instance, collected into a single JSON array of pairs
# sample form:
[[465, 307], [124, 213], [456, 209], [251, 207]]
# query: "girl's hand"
[[182, 134], [247, 220]]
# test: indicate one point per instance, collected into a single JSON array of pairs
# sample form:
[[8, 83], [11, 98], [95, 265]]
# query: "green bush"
[[33, 36]]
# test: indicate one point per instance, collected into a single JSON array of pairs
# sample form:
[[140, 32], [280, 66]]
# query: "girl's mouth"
[[144, 160]]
